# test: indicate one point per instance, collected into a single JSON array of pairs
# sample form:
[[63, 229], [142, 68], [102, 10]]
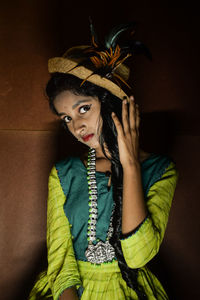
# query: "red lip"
[[86, 138]]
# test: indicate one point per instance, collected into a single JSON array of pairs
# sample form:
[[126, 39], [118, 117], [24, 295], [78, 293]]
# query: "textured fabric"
[[73, 178], [146, 241], [62, 269], [105, 281]]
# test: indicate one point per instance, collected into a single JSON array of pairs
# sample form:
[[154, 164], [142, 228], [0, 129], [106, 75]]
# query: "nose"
[[80, 126]]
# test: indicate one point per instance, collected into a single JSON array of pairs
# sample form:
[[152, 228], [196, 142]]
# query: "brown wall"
[[31, 141]]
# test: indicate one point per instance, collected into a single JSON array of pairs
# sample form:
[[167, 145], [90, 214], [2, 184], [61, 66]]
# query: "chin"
[[94, 144]]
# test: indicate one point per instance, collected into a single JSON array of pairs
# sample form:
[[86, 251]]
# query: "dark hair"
[[60, 82]]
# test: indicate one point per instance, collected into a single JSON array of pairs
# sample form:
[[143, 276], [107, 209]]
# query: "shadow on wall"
[[39, 264], [158, 130]]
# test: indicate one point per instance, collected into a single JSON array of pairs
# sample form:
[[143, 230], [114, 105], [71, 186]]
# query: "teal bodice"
[[73, 178]]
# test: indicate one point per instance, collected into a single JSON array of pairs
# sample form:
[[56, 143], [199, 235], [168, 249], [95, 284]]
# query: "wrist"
[[131, 167]]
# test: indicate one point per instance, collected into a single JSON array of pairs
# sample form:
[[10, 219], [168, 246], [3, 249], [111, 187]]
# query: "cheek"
[[99, 124]]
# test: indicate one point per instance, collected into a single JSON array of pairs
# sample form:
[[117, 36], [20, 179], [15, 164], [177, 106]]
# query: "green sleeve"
[[62, 270], [144, 244]]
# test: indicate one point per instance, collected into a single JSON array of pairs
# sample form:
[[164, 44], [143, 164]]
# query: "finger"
[[137, 117], [118, 125], [125, 120], [132, 114]]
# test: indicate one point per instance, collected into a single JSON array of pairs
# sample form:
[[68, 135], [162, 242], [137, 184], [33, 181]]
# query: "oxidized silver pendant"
[[100, 253]]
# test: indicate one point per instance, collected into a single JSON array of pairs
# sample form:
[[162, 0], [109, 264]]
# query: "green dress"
[[67, 219]]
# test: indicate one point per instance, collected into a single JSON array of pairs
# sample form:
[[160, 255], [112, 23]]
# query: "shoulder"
[[143, 155], [155, 167], [67, 164], [64, 168], [155, 161], [153, 158], [68, 171]]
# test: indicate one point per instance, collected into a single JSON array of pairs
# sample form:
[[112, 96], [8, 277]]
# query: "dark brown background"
[[167, 90]]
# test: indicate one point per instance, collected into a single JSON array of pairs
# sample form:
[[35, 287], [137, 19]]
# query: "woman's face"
[[81, 115]]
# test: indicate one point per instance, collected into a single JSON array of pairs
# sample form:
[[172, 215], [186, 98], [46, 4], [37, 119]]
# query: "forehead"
[[69, 100], [67, 96]]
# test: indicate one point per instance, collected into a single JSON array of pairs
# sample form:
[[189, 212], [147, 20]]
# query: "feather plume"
[[93, 34], [104, 59], [136, 47], [115, 33]]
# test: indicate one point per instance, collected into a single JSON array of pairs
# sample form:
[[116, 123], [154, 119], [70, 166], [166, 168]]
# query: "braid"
[[128, 274]]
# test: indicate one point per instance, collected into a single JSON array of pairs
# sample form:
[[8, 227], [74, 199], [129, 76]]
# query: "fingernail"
[[113, 114]]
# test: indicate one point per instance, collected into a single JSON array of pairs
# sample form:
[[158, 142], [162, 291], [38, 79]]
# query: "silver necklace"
[[99, 252]]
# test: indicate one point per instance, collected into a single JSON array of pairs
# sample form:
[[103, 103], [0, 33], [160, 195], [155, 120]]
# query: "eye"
[[67, 119], [83, 109]]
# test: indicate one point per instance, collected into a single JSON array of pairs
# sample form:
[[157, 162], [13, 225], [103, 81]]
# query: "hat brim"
[[65, 65]]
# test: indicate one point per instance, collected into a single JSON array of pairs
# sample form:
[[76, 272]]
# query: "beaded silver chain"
[[100, 252]]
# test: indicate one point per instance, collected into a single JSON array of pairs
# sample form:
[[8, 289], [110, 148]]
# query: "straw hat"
[[70, 65], [100, 64]]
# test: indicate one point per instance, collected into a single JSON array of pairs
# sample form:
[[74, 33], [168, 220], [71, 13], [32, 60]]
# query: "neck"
[[100, 154]]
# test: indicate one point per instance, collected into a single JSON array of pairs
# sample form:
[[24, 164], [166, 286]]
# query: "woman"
[[107, 210]]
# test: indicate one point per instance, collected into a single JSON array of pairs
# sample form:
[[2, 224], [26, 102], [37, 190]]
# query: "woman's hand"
[[69, 294], [134, 208], [128, 133]]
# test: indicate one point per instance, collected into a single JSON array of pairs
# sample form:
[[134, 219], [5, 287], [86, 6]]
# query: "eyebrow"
[[74, 106], [79, 102]]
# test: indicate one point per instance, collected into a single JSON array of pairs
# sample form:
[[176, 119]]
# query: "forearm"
[[133, 208], [69, 294]]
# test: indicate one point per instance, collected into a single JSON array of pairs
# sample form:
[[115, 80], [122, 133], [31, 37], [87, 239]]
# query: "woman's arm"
[[62, 266], [151, 216], [141, 246], [133, 209], [62, 275]]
